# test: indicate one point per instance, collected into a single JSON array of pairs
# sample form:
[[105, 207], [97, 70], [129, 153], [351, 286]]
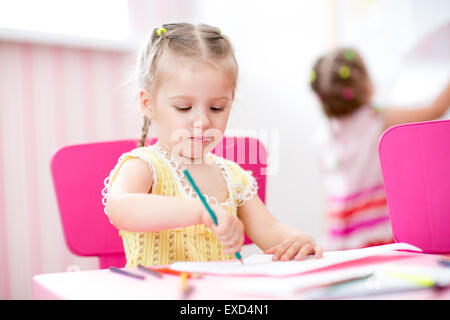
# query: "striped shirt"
[[356, 209]]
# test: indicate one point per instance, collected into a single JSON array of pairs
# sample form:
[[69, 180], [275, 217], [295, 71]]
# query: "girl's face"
[[190, 109]]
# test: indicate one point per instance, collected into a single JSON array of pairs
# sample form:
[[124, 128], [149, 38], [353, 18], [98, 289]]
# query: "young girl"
[[187, 77], [357, 213]]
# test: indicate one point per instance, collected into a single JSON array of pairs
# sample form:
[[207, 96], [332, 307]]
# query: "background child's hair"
[[341, 81], [199, 42]]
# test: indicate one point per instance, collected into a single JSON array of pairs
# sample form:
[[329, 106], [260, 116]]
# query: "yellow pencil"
[[185, 288]]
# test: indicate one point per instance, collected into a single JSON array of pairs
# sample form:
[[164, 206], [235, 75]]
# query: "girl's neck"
[[180, 158]]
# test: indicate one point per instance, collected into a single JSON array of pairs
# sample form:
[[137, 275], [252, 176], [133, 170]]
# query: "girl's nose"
[[201, 121]]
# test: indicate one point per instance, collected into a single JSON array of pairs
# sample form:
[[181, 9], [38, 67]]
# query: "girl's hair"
[[341, 81], [200, 42]]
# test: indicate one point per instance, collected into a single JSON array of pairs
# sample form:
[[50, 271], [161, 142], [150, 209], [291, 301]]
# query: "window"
[[72, 20]]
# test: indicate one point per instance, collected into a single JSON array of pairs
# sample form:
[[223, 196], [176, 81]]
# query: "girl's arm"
[[436, 110], [272, 236], [130, 207]]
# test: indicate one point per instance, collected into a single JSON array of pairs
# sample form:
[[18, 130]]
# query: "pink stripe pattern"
[[357, 195], [361, 225], [31, 151], [4, 266], [89, 94]]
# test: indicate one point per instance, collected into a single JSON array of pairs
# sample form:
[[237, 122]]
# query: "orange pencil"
[[175, 272]]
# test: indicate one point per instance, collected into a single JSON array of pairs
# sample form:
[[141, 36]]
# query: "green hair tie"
[[349, 55], [313, 76], [160, 30], [344, 72]]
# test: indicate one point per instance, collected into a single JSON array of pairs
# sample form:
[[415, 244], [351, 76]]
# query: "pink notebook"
[[415, 161]]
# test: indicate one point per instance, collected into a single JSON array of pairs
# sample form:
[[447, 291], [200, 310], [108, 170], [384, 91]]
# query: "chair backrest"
[[415, 161], [79, 171]]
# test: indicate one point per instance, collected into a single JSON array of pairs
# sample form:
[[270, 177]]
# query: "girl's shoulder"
[[144, 151], [368, 111], [364, 117], [243, 184], [147, 153]]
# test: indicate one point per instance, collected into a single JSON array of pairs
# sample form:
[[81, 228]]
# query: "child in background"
[[356, 210], [187, 77]]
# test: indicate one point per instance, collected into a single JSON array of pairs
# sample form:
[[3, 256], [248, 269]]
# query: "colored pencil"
[[149, 271], [126, 273], [176, 272], [186, 289], [208, 208]]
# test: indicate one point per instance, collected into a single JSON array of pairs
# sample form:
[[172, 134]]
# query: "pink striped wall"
[[49, 97], [52, 96], [4, 269]]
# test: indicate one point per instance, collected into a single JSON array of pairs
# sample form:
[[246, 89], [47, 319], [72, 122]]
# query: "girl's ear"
[[145, 103]]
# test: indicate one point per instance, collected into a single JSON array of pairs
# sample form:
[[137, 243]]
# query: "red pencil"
[[174, 272]]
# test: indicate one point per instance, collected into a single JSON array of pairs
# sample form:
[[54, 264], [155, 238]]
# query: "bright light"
[[103, 19]]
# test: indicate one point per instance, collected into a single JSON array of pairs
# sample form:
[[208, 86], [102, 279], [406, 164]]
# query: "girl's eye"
[[183, 108], [217, 109]]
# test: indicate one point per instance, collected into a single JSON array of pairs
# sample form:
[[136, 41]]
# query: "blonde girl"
[[187, 77]]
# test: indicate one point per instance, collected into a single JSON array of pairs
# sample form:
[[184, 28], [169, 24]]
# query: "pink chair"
[[415, 161], [78, 173]]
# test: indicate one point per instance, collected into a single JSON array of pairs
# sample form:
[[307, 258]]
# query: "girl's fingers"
[[233, 247], [229, 234], [291, 251], [318, 252], [231, 250], [226, 238], [221, 230], [304, 251], [281, 249], [271, 250], [296, 247], [235, 241]]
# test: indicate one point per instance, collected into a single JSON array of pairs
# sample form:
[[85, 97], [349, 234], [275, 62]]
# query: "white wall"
[[389, 34]]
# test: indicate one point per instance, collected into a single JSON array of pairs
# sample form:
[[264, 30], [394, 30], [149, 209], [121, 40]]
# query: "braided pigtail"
[[144, 132]]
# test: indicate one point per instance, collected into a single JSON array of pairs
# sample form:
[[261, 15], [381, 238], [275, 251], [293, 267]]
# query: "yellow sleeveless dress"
[[192, 243]]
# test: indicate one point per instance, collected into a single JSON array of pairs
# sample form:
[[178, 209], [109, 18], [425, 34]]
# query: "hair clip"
[[349, 55], [313, 76], [161, 30], [347, 93], [344, 72]]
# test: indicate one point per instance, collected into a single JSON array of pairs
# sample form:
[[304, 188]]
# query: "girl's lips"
[[202, 139]]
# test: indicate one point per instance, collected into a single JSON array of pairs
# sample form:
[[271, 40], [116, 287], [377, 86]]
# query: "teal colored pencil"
[[205, 203]]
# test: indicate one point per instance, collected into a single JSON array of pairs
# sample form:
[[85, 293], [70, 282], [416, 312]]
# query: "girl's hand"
[[296, 247], [229, 229]]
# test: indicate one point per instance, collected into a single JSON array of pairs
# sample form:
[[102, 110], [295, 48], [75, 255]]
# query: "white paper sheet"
[[262, 264], [378, 279]]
